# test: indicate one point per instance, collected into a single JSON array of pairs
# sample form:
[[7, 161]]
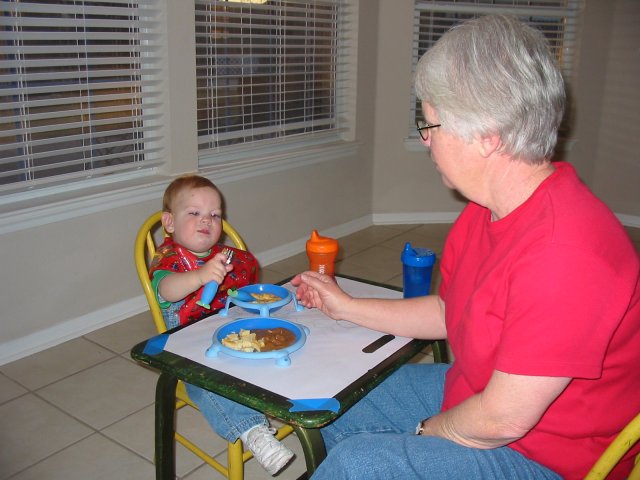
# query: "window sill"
[[41, 210]]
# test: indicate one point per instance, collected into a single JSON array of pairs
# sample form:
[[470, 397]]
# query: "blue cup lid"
[[418, 257]]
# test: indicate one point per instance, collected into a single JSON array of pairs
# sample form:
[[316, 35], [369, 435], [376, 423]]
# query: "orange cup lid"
[[320, 244]]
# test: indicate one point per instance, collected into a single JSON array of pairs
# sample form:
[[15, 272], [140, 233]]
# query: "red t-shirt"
[[549, 290]]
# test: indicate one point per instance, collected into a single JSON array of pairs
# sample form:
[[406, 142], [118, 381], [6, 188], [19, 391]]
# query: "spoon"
[[240, 295], [211, 288]]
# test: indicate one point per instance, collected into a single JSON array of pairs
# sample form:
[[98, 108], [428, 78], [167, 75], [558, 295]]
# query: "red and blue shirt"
[[172, 258]]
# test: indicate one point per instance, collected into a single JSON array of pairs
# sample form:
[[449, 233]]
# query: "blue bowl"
[[264, 309], [280, 356]]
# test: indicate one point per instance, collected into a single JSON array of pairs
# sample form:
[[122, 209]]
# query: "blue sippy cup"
[[417, 268]]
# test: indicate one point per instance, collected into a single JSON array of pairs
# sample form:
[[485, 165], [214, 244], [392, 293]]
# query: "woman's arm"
[[420, 317], [504, 412]]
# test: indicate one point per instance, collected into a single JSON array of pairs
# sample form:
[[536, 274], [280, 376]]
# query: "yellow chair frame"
[[144, 250], [626, 439]]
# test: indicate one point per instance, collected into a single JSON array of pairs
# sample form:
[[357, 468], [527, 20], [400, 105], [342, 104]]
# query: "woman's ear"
[[167, 222], [489, 145]]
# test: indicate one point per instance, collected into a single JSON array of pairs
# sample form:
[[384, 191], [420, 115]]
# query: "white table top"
[[331, 359]]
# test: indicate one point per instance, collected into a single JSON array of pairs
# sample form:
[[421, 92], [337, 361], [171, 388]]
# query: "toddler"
[[188, 259]]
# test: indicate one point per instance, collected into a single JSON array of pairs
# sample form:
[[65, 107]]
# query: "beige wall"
[[585, 107], [617, 152], [605, 138], [66, 277], [404, 180], [62, 277]]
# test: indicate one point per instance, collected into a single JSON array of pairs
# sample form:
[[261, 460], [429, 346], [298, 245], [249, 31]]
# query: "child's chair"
[[626, 439], [144, 250]]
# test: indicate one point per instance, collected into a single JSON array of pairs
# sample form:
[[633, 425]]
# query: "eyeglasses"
[[424, 127]]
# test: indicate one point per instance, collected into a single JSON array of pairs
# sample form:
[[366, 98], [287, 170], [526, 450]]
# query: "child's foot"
[[267, 449]]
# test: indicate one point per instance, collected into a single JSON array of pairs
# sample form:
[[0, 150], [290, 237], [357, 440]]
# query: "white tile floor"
[[84, 410]]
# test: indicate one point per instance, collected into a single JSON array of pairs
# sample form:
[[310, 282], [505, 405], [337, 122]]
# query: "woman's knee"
[[354, 458]]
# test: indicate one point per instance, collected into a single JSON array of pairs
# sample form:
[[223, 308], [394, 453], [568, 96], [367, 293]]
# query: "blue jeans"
[[227, 418], [376, 438]]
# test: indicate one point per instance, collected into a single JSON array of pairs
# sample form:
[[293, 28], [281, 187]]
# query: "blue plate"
[[280, 356], [264, 309]]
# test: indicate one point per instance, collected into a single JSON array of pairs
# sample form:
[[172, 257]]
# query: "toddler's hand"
[[215, 269]]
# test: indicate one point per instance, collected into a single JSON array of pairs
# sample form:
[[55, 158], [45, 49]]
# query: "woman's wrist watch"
[[420, 428]]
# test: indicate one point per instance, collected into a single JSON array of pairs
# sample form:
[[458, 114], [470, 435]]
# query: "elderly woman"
[[539, 297]]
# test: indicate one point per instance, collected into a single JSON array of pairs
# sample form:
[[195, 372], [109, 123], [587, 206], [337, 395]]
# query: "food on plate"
[[275, 338], [260, 339], [265, 297], [245, 341]]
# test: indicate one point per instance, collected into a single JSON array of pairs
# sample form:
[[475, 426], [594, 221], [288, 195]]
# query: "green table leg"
[[440, 354], [312, 446], [165, 455]]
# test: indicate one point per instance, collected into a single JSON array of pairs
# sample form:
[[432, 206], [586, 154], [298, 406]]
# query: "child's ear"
[[167, 222]]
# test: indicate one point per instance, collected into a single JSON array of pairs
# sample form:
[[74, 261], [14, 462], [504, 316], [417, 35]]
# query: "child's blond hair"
[[185, 182]]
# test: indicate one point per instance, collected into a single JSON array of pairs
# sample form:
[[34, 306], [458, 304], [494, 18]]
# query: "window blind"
[[78, 90], [269, 72], [557, 19]]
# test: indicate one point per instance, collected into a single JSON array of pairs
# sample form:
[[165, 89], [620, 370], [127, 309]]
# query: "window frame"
[[103, 101], [288, 147], [37, 207], [570, 12]]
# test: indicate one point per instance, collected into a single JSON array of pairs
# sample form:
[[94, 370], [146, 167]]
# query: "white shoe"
[[267, 449]]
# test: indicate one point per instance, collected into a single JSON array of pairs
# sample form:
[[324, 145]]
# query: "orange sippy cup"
[[322, 252]]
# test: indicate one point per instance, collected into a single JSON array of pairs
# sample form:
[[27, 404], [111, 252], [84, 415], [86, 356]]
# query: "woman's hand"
[[316, 290], [420, 317]]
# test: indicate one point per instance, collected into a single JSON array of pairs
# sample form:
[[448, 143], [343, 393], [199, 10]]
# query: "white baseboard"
[[74, 328], [292, 248], [297, 246], [629, 220], [68, 330], [414, 218]]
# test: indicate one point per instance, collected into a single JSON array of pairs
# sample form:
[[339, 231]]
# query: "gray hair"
[[495, 75]]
